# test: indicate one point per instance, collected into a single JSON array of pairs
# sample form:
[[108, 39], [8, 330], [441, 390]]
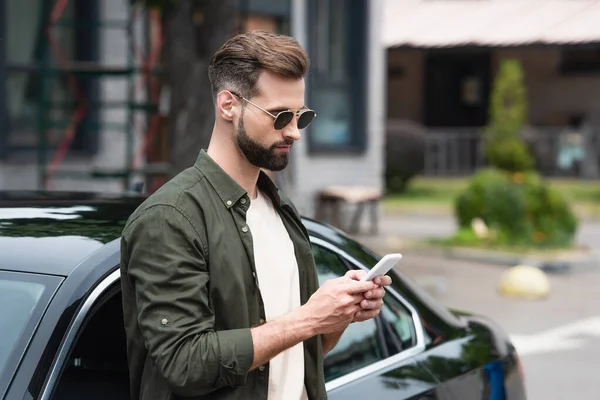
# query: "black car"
[[61, 321]]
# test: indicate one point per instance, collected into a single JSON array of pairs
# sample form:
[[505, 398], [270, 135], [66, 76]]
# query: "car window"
[[96, 362], [398, 325], [24, 298], [359, 345]]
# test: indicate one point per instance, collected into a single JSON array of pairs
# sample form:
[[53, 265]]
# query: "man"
[[220, 291]]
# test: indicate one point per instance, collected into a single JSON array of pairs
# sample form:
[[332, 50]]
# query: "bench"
[[333, 198]]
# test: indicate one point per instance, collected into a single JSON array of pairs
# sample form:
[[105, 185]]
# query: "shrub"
[[404, 154], [518, 208], [515, 204], [504, 147], [510, 155]]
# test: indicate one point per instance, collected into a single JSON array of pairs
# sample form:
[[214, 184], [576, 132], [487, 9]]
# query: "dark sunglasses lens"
[[283, 119], [305, 119]]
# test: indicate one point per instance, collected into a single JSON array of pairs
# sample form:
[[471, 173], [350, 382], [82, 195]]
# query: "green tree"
[[509, 197], [504, 148]]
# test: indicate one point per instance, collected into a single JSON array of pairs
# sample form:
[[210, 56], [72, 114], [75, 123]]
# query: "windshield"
[[23, 298]]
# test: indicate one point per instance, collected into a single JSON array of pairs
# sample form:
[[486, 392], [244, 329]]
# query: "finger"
[[371, 304], [353, 310], [375, 294], [354, 298], [353, 287], [358, 298], [356, 274], [384, 280], [365, 315]]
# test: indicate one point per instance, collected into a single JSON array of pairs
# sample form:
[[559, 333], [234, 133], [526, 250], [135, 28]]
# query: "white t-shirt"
[[279, 284]]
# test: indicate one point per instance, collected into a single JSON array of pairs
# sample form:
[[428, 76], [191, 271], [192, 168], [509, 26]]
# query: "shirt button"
[[164, 321], [243, 201], [262, 321], [245, 229], [229, 202], [261, 368]]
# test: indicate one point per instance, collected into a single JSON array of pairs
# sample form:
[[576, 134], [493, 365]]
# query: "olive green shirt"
[[190, 290]]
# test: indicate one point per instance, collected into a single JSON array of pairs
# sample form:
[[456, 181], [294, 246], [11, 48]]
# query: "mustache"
[[284, 143]]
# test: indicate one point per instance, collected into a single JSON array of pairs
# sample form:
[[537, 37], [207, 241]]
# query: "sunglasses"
[[283, 118]]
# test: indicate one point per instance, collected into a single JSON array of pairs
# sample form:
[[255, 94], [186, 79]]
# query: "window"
[[26, 49], [273, 16], [398, 326], [359, 346], [367, 342], [336, 85], [24, 298], [96, 367], [580, 61]]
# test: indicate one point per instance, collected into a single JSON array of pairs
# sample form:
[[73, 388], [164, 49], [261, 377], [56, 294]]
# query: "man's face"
[[256, 136]]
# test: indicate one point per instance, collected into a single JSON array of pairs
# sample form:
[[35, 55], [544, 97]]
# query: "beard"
[[259, 155]]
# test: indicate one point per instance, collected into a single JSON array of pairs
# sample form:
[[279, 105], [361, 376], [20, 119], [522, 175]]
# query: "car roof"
[[51, 232]]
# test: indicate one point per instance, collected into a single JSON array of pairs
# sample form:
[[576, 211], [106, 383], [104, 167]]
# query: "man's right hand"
[[332, 307]]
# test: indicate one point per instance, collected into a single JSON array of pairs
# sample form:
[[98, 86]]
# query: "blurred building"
[[345, 86], [443, 56]]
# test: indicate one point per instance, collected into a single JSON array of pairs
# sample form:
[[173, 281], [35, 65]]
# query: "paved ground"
[[559, 337], [418, 226], [560, 364]]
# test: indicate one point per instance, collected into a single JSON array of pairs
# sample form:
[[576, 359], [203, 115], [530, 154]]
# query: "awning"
[[490, 23]]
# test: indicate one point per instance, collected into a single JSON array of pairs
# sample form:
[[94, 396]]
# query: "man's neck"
[[235, 164]]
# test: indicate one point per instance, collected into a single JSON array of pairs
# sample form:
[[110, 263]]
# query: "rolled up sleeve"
[[169, 273]]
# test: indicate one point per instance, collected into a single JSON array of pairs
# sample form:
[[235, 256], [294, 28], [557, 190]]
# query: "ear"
[[226, 104]]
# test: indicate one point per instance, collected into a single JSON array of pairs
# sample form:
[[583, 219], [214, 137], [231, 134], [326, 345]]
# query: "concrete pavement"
[[559, 336], [557, 366], [398, 230], [418, 226]]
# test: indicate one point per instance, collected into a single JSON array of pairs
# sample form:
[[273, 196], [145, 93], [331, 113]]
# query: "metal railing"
[[452, 151], [459, 151]]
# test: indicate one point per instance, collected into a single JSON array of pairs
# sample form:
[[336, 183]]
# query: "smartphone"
[[383, 266]]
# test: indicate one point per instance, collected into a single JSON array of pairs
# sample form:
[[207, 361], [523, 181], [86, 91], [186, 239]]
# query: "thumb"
[[356, 274], [358, 286]]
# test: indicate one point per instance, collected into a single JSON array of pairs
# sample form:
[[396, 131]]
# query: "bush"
[[404, 154], [509, 155], [504, 147], [518, 208]]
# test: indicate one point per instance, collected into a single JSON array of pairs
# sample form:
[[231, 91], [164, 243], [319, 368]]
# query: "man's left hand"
[[371, 305]]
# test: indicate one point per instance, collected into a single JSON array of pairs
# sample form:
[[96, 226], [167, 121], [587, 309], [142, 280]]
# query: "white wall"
[[311, 173]]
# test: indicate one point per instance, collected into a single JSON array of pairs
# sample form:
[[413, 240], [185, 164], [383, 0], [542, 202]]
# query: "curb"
[[579, 260]]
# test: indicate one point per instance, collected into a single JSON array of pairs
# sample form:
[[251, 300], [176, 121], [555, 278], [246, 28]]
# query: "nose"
[[291, 131]]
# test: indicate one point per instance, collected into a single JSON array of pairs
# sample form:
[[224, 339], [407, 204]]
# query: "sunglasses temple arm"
[[260, 108]]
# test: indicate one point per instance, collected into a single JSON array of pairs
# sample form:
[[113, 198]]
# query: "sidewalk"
[[398, 232]]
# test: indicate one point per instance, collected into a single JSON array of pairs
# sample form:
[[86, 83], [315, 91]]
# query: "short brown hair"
[[239, 62]]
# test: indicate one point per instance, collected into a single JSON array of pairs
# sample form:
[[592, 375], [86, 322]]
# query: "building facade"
[[443, 57], [344, 145]]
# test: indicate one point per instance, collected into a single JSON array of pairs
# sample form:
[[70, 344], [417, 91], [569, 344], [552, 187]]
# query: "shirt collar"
[[228, 189]]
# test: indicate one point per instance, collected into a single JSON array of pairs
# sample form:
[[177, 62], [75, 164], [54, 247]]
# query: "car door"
[[372, 359], [375, 358], [91, 363]]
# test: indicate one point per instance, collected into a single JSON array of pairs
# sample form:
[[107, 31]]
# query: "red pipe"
[[80, 110]]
